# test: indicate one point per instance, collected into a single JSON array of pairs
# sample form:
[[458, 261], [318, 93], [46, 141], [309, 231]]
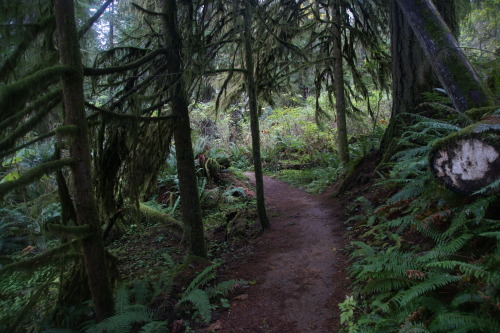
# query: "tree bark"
[[85, 206], [254, 117], [190, 200], [338, 83], [411, 72], [448, 62]]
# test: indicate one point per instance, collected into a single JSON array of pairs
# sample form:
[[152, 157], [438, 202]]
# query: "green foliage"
[[200, 298], [429, 259]]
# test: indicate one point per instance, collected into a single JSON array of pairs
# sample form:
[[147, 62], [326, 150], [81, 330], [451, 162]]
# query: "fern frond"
[[466, 298], [155, 327], [201, 302], [413, 328], [384, 285], [140, 291], [201, 279], [432, 283], [490, 188], [122, 298], [224, 288], [416, 189], [122, 322], [475, 271], [446, 249], [464, 322]]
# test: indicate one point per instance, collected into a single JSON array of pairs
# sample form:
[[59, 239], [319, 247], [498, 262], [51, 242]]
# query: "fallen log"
[[469, 160]]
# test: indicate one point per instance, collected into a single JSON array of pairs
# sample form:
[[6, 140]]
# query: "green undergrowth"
[[425, 259]]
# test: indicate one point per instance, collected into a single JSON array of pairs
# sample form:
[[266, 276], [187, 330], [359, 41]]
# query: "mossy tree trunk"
[[338, 73], [411, 73], [190, 200], [447, 60], [83, 194], [254, 116]]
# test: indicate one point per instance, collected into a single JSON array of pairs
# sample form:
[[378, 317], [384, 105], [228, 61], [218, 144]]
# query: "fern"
[[123, 322], [154, 327], [475, 271], [224, 288], [431, 284], [414, 328], [464, 322], [201, 279], [200, 300]]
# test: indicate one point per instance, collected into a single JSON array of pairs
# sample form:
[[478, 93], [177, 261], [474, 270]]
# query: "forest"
[[249, 166]]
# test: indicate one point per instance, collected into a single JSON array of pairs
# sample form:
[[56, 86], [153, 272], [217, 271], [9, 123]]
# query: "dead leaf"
[[241, 297], [215, 326]]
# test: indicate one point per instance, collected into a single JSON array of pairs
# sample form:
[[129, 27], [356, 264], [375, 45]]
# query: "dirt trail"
[[296, 265]]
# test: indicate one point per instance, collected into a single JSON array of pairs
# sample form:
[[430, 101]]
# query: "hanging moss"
[[33, 174], [31, 33], [15, 94]]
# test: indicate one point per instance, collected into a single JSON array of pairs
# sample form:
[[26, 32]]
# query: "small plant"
[[347, 318]]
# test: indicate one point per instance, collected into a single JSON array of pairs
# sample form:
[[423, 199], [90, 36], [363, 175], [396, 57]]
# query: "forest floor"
[[297, 268]]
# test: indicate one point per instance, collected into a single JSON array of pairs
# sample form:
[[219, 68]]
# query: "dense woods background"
[[127, 122]]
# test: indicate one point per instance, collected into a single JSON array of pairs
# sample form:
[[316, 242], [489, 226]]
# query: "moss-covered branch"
[[33, 174], [15, 94], [31, 33], [79, 232], [86, 27], [117, 69], [27, 144], [41, 102], [27, 125], [127, 117], [157, 216], [46, 258]]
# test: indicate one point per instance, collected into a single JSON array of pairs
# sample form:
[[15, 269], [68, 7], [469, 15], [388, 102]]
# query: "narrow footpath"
[[297, 268]]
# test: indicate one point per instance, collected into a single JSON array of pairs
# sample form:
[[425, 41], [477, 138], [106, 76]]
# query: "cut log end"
[[467, 165]]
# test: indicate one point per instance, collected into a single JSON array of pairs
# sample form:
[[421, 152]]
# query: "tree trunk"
[[83, 194], [469, 160], [411, 72], [447, 60], [254, 118], [190, 200], [338, 73]]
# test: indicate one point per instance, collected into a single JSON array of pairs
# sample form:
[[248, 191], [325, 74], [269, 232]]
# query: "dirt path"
[[298, 270]]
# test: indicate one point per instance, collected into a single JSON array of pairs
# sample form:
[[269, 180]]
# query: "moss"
[[152, 214], [49, 257], [33, 174], [15, 94], [39, 103], [477, 114], [27, 126]]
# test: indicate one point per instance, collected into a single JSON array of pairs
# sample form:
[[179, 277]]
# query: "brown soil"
[[298, 267]]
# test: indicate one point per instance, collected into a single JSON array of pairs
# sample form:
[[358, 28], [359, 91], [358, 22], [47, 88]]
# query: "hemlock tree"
[[338, 82], [254, 116], [190, 200], [84, 200]]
